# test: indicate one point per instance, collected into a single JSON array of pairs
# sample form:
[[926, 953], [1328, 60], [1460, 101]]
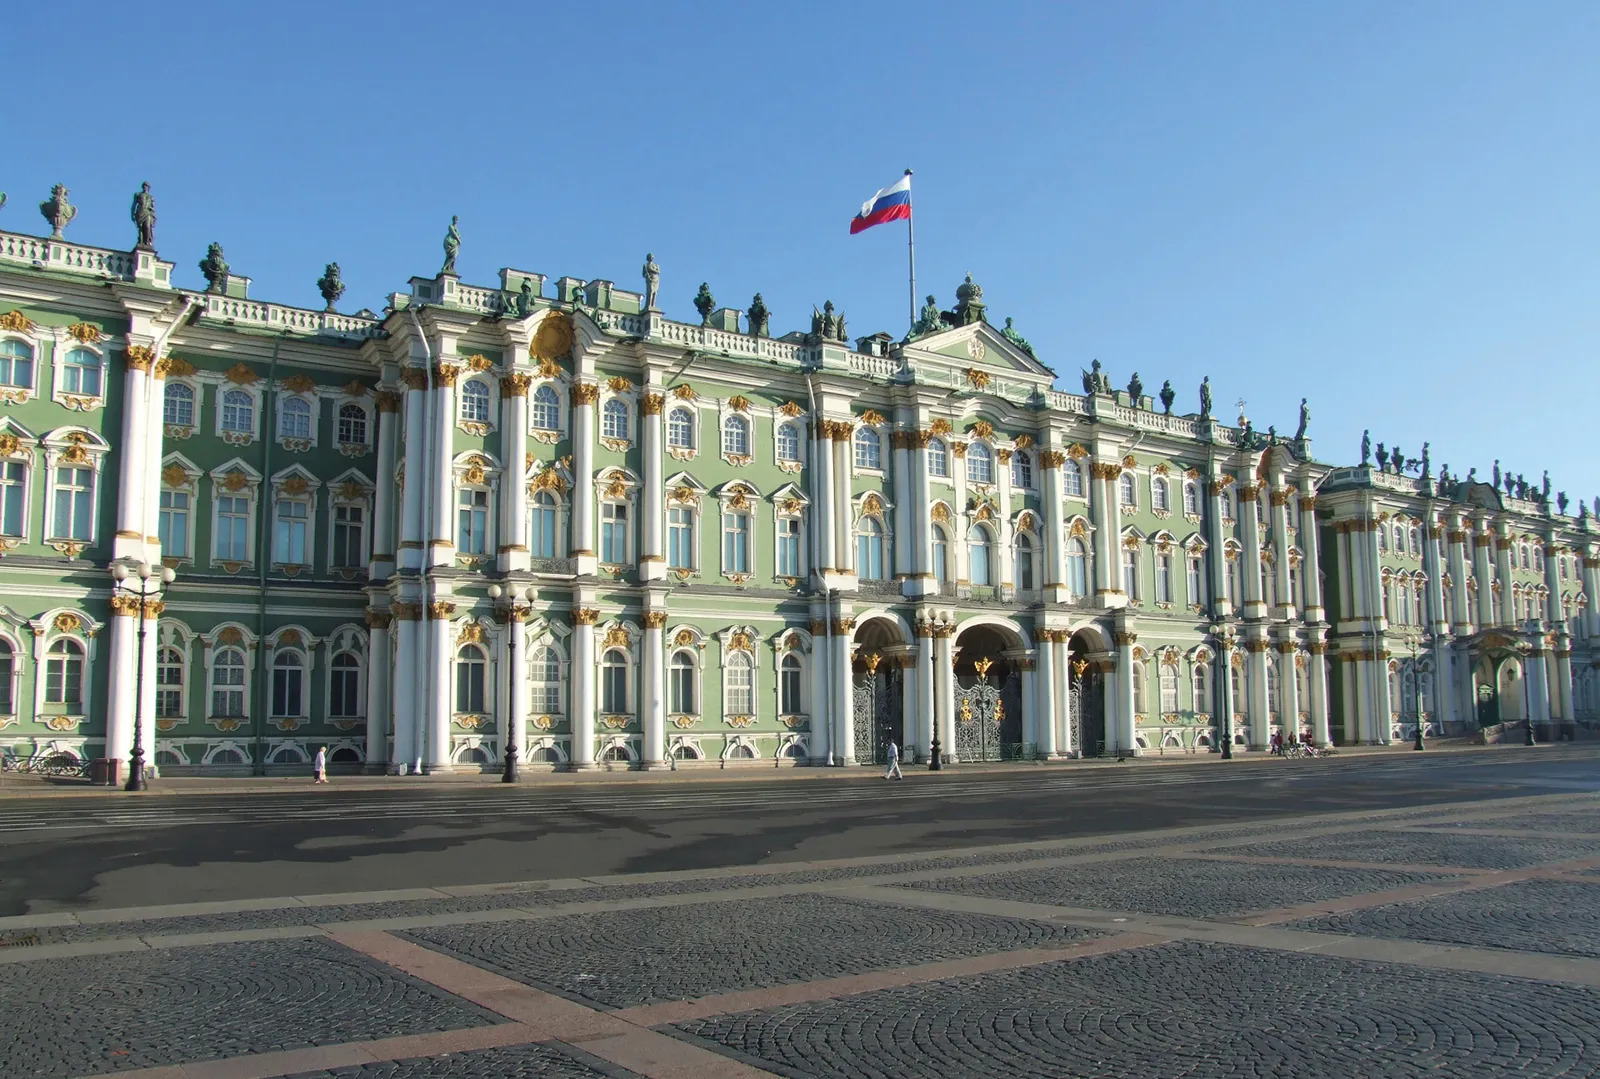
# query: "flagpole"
[[911, 251]]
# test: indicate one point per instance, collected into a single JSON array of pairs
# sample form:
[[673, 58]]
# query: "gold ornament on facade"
[[10, 444], [790, 409], [652, 404], [241, 375], [1003, 456], [355, 388], [1049, 459], [471, 633], [445, 374], [1024, 442], [440, 610], [16, 322], [1077, 452], [740, 642], [478, 362], [873, 418], [940, 426], [585, 616], [941, 512], [477, 470], [515, 384], [843, 626], [655, 619], [585, 393], [683, 392], [983, 429], [739, 501], [958, 448], [977, 379], [296, 485], [739, 403], [742, 722], [791, 506], [66, 622], [414, 377], [139, 357], [378, 619], [172, 475], [617, 637], [684, 638], [299, 384], [872, 504], [553, 338], [548, 368], [549, 480]]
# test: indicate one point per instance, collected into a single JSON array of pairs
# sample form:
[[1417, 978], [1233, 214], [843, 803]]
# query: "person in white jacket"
[[319, 766], [893, 771]]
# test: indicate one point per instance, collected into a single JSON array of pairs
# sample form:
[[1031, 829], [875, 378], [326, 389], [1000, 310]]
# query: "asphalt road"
[[109, 851]]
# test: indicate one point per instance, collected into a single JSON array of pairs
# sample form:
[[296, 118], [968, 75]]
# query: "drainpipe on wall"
[[263, 557]]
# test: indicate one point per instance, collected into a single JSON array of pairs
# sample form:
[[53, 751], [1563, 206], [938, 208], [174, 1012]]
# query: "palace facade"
[[541, 513]]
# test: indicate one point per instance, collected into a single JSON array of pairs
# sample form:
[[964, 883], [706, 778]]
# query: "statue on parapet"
[[1427, 460], [1398, 460], [1168, 395], [759, 317], [214, 267], [143, 214], [652, 280], [1205, 398], [1561, 502], [58, 211], [705, 303], [1135, 390], [1305, 420], [1495, 482], [929, 320], [1014, 337], [452, 246], [1095, 379], [330, 285], [1383, 458], [525, 299], [1366, 447], [1544, 486]]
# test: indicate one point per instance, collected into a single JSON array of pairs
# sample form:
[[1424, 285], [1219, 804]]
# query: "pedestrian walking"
[[1277, 744], [319, 766], [893, 771]]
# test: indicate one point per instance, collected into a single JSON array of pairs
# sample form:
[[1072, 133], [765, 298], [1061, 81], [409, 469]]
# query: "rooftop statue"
[[1383, 458], [1472, 475], [652, 281], [929, 320], [1583, 511], [143, 214], [1366, 447], [1544, 486], [1397, 460], [1135, 390], [57, 210], [1205, 398], [330, 286], [1168, 395], [1095, 380], [704, 303], [759, 316], [1014, 337], [452, 246], [1305, 420], [1561, 502], [1427, 465], [525, 298], [214, 267], [1496, 473], [2, 200]]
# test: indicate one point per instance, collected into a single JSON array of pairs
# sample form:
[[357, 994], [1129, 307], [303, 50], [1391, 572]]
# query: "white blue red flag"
[[893, 203]]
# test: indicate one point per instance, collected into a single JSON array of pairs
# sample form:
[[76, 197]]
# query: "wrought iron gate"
[[878, 717], [979, 711]]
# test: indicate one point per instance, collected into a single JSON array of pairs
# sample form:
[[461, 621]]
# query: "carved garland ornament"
[[16, 321]]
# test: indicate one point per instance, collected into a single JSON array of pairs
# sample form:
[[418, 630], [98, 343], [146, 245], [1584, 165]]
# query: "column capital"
[[585, 393], [515, 385], [585, 616], [655, 619]]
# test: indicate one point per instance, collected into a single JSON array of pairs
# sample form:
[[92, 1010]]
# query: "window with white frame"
[[349, 536], [169, 682], [545, 411], [1141, 689], [63, 676], [1383, 541], [472, 679], [735, 541], [543, 518], [682, 685], [238, 412], [1077, 568], [177, 405], [1191, 499], [291, 533], [16, 364], [352, 427], [614, 682], [869, 449], [344, 686], [1202, 688], [1130, 571], [288, 684], [294, 418], [1160, 494], [614, 533], [1196, 576], [1163, 577], [614, 420], [680, 429], [680, 537], [1023, 559], [739, 690], [1022, 469], [73, 518], [173, 523], [1227, 505], [869, 549], [941, 554], [788, 442], [1167, 676], [475, 401], [545, 671], [82, 373], [8, 678], [938, 458], [980, 556], [13, 498], [788, 546], [736, 437], [472, 520], [980, 463], [1128, 490], [231, 542], [791, 685], [227, 682], [1072, 478]]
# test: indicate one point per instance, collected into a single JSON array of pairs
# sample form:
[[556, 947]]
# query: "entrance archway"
[[1086, 679], [877, 690], [988, 694]]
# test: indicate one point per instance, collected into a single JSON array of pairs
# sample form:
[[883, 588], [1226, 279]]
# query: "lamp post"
[[1417, 662], [145, 574], [496, 593]]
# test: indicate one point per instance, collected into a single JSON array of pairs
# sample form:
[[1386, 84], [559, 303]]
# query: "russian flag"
[[893, 203]]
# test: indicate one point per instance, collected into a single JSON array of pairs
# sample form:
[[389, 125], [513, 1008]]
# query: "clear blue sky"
[[1389, 208]]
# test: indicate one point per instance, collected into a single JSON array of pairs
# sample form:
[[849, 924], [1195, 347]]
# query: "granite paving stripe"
[[544, 1061], [100, 1014], [1426, 848], [671, 953], [1197, 1010]]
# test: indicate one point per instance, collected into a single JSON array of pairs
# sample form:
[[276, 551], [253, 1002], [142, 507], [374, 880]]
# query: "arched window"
[[681, 685], [475, 401], [614, 419], [227, 682], [938, 458], [1167, 676], [941, 554], [1072, 478], [542, 525], [1023, 556], [739, 696], [1191, 499], [16, 364], [788, 442], [1160, 494], [1021, 469], [980, 556], [790, 683], [546, 409], [1404, 589], [63, 676], [472, 679], [680, 429], [1128, 490], [1400, 540], [344, 686], [352, 429], [869, 549], [177, 406], [736, 437], [81, 373], [238, 412], [614, 682], [1227, 505], [288, 684], [869, 448], [544, 670], [294, 418], [1202, 688], [980, 463], [169, 682], [8, 679], [1077, 568], [1416, 540]]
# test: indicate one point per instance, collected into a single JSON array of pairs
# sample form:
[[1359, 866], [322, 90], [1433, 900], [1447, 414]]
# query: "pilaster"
[[512, 554], [383, 560], [585, 395], [380, 683], [652, 555], [584, 678], [654, 679]]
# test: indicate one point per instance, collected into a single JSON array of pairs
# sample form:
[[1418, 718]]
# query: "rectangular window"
[[680, 538], [169, 686], [289, 536], [74, 504], [614, 533], [472, 529], [736, 543], [1163, 578], [349, 536], [287, 686], [1130, 573], [1196, 580], [173, 524], [789, 547], [233, 529], [13, 498]]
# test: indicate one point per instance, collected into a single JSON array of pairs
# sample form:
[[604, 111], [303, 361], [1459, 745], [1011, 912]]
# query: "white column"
[[1105, 510], [1260, 714], [1049, 719], [1055, 527], [1002, 555], [1216, 559], [584, 396], [120, 695], [843, 706], [134, 474], [412, 540], [820, 519], [652, 555], [1311, 560], [387, 418], [944, 674], [512, 552], [517, 710], [1278, 506], [907, 515], [1482, 542], [407, 706], [844, 545], [584, 676], [1460, 613], [654, 751], [441, 532], [1062, 648], [1591, 588], [1289, 690], [927, 704], [1563, 680], [1538, 686], [1124, 730], [380, 679], [1250, 537], [1552, 584], [436, 750], [820, 743], [921, 505], [1502, 559], [1318, 680]]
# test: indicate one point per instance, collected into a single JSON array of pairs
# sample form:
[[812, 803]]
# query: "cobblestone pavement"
[[1200, 952]]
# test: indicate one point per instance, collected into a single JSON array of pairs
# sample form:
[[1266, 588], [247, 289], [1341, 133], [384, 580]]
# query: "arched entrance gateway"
[[878, 689], [1086, 671], [988, 693]]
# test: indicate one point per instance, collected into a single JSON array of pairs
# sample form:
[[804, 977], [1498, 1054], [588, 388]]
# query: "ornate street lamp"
[[1419, 642], [150, 585], [512, 611]]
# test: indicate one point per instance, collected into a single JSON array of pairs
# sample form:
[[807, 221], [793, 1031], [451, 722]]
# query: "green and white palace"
[[540, 516]]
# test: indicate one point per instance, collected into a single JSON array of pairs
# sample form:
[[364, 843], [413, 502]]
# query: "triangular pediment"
[[977, 346]]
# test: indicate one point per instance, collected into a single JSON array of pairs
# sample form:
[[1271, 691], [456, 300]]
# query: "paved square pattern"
[[1580, 822], [512, 1062], [1201, 1011], [93, 1014], [1196, 888], [1428, 848], [1561, 917], [672, 953]]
